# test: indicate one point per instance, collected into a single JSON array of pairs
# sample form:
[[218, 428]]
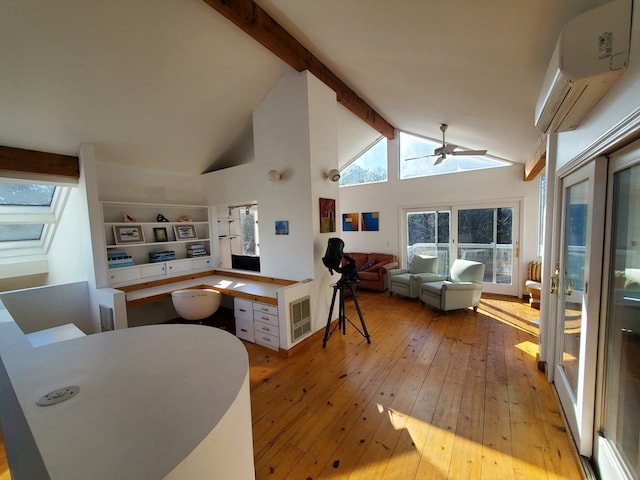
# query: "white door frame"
[[579, 408]]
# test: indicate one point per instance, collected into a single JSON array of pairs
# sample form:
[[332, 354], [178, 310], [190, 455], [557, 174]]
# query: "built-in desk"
[[235, 284]]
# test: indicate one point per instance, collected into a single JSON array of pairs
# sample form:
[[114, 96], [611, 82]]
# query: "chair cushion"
[[433, 287], [466, 271], [421, 264], [403, 278]]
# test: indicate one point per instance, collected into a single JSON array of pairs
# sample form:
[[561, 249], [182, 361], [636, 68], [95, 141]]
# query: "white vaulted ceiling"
[[171, 84]]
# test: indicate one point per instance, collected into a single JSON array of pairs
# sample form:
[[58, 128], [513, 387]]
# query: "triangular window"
[[416, 159]]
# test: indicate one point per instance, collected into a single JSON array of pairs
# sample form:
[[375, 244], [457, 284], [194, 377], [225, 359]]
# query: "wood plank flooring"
[[455, 396]]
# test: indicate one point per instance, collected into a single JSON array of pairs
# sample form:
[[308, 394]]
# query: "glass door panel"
[[578, 272], [621, 402], [573, 253], [489, 235], [428, 233]]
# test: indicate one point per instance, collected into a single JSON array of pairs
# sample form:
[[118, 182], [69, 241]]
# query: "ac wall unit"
[[591, 54]]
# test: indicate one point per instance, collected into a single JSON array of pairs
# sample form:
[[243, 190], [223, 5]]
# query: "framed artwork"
[[185, 232], [128, 234], [349, 222], [370, 221], [160, 234], [282, 227], [327, 215]]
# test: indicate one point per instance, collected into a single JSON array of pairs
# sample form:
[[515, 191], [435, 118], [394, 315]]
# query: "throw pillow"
[[369, 264]]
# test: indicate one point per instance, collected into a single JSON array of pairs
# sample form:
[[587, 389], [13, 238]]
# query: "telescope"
[[334, 259]]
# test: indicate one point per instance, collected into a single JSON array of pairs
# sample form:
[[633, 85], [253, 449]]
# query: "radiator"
[[300, 311]]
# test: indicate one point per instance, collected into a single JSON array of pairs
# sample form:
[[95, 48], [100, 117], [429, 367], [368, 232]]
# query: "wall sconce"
[[274, 175], [333, 175]]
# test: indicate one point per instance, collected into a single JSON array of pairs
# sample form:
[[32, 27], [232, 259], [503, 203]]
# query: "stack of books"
[[119, 258], [162, 256], [196, 250]]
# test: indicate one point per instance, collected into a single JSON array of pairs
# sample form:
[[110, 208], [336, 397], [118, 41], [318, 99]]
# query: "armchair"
[[462, 289], [407, 281]]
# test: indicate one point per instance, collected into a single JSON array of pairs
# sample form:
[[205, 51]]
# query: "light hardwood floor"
[[455, 396]]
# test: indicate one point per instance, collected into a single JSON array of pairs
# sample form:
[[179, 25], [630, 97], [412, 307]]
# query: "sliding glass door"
[[618, 436], [489, 235]]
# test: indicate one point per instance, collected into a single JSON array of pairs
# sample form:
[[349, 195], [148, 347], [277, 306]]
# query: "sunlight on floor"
[[528, 347], [430, 442]]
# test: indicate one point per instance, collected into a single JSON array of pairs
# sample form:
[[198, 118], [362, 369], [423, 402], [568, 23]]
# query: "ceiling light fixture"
[[333, 175]]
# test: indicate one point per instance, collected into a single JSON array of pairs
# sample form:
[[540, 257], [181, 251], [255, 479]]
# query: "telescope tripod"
[[341, 286]]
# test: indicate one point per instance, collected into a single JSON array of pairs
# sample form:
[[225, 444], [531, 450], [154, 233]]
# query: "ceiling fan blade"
[[419, 157], [439, 160], [470, 152]]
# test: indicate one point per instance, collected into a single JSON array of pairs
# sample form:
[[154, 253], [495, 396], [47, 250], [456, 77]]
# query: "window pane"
[[428, 234], [249, 223], [370, 167], [416, 159], [12, 233], [30, 194]]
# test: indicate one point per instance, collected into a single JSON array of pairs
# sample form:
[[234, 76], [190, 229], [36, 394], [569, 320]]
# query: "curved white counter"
[[155, 402]]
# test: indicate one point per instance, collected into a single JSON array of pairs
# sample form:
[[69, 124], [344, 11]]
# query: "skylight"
[[23, 208], [416, 159]]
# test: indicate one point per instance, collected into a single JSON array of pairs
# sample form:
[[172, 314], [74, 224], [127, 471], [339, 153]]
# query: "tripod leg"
[[342, 319], [326, 331], [364, 326]]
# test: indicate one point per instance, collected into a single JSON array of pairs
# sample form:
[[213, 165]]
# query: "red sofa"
[[373, 268]]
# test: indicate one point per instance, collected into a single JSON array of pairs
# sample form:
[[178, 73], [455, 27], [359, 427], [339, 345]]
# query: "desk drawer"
[[266, 318], [243, 309], [265, 308], [245, 330], [269, 341], [262, 327]]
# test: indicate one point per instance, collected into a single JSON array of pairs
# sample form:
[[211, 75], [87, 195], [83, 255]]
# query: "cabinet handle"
[[244, 330], [242, 310]]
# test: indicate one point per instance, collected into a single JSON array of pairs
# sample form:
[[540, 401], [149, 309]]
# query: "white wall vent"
[[300, 311], [591, 54]]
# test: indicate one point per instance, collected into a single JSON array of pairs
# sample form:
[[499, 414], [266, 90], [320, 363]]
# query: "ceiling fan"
[[447, 149]]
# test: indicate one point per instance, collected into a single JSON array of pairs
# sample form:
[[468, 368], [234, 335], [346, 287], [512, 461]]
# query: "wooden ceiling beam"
[[32, 162], [257, 23], [537, 161]]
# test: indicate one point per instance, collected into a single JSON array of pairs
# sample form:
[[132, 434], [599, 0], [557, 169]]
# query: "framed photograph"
[[160, 234], [185, 232], [128, 234]]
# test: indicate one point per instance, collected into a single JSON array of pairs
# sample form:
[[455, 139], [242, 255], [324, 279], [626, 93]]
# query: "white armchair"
[[407, 281], [462, 289]]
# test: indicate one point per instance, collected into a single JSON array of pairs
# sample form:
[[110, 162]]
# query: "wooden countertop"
[[236, 284]]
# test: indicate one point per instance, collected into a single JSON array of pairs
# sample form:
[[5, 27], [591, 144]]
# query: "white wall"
[[39, 308], [475, 187]]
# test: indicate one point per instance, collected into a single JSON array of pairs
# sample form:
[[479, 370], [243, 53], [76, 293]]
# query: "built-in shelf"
[[143, 235]]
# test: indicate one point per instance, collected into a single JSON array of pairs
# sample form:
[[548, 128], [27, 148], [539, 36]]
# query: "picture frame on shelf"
[[160, 234], [185, 231], [128, 234]]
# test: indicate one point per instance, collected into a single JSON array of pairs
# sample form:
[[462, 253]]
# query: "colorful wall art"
[[370, 221], [327, 215], [349, 222], [282, 227]]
